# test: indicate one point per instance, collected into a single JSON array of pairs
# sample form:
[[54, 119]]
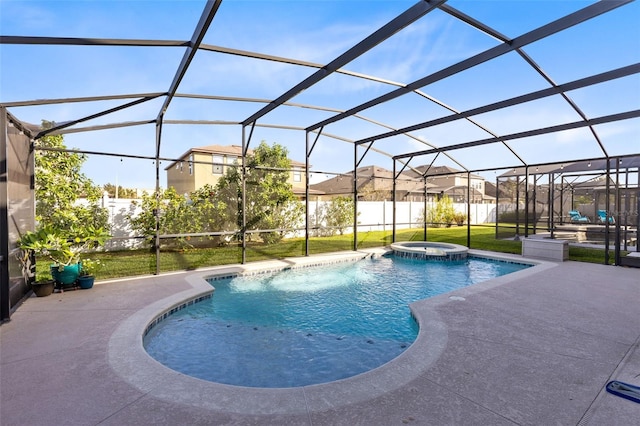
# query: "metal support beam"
[[363, 154], [426, 171], [206, 18], [517, 100], [535, 203], [85, 41], [469, 209], [308, 149], [490, 31], [313, 146], [5, 301], [497, 234], [392, 27], [81, 99], [537, 34], [627, 208], [607, 194], [243, 202], [617, 209], [404, 166], [246, 142], [157, 197], [638, 211], [526, 202], [535, 132], [550, 222], [355, 197], [92, 116], [393, 203], [517, 207], [424, 209], [561, 200]]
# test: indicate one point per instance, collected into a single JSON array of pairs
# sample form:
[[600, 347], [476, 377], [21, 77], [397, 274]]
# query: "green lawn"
[[143, 262]]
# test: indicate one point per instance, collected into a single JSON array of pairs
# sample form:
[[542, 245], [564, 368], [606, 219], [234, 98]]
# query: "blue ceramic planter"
[[86, 281], [68, 275]]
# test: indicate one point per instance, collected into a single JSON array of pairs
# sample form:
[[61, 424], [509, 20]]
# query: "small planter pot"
[[86, 281], [43, 289]]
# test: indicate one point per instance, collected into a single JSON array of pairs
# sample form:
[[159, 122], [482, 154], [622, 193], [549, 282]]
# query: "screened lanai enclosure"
[[240, 130]]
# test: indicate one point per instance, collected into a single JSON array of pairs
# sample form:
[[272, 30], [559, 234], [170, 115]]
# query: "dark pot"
[[43, 289]]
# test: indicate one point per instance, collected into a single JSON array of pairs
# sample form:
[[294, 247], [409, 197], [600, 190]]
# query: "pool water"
[[310, 325]]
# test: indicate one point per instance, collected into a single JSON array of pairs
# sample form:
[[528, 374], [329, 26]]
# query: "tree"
[[200, 212], [209, 211], [270, 202], [175, 215], [59, 184], [338, 214], [442, 213], [369, 193], [122, 192]]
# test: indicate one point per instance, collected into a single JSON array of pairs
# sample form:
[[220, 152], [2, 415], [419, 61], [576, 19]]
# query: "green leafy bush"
[[442, 214]]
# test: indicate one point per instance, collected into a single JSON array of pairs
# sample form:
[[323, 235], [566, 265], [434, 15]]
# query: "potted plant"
[[43, 284], [50, 243], [40, 281], [63, 249], [88, 269]]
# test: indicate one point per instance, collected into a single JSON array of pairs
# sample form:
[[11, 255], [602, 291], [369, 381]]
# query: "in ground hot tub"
[[429, 250]]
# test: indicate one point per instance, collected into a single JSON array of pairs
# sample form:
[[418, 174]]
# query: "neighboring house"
[[503, 195], [207, 164], [374, 184], [453, 183]]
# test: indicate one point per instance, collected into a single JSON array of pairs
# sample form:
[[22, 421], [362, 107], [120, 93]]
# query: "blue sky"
[[319, 31]]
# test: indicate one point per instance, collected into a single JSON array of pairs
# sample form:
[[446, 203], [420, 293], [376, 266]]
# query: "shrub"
[[442, 214]]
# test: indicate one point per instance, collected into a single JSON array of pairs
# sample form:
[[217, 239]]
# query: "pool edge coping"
[[128, 358]]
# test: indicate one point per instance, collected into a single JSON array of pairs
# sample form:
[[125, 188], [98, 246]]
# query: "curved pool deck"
[[533, 347]]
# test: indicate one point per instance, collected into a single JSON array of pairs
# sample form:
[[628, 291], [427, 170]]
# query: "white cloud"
[[574, 136]]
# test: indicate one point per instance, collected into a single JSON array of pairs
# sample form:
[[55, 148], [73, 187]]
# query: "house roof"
[[302, 191], [381, 178], [598, 182], [223, 150], [220, 149], [491, 190], [626, 162], [458, 189], [441, 171]]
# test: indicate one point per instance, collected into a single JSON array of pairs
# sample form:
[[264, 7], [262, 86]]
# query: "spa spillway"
[[429, 250]]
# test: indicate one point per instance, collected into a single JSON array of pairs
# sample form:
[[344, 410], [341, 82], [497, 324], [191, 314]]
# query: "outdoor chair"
[[576, 217], [602, 217]]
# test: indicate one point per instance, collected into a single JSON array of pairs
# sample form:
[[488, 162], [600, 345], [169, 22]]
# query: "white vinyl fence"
[[378, 215], [373, 216]]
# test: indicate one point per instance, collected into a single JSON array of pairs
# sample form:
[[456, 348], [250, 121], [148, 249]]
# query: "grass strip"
[[129, 263]]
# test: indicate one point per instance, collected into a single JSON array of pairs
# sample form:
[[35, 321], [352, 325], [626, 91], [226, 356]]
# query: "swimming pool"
[[307, 326]]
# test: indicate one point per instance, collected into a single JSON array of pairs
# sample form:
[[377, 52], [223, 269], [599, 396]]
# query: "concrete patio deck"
[[535, 348]]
